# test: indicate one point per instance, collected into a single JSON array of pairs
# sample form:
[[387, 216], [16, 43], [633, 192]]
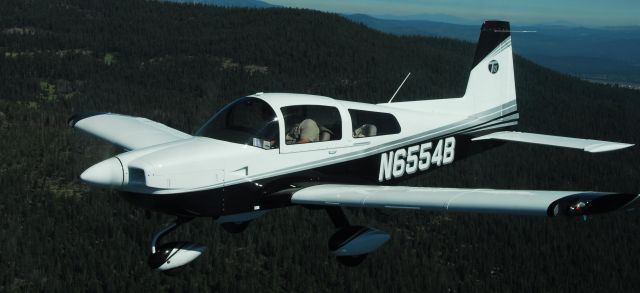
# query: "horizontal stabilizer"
[[588, 145], [515, 202], [126, 131]]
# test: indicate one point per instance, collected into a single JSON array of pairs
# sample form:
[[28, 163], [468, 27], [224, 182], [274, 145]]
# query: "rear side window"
[[311, 123], [368, 123]]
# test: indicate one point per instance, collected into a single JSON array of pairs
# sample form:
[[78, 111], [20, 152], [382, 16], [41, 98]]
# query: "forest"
[[179, 63]]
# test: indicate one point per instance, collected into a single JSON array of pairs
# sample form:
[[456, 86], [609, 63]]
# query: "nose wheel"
[[171, 257]]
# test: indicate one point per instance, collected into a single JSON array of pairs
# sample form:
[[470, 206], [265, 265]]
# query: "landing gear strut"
[[171, 257], [352, 244]]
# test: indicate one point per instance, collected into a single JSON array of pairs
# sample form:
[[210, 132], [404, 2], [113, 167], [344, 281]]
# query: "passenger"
[[304, 132], [366, 130]]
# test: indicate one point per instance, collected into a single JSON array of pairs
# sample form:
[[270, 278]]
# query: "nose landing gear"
[[173, 256]]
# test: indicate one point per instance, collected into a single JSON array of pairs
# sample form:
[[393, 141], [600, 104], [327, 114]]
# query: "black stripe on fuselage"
[[275, 192], [489, 123]]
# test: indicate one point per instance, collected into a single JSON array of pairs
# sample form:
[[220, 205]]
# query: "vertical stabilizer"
[[490, 95], [491, 81]]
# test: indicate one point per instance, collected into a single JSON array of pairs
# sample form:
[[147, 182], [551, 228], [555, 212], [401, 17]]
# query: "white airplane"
[[274, 150]]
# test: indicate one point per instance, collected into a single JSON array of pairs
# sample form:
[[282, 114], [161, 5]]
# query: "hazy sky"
[[584, 12]]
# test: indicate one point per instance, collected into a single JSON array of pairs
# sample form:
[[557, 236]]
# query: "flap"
[[588, 145], [126, 131], [517, 202]]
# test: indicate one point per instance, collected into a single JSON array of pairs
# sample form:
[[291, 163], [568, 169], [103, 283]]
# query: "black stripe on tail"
[[492, 34]]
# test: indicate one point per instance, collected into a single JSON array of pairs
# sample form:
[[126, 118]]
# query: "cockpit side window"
[[311, 123], [246, 121], [369, 123]]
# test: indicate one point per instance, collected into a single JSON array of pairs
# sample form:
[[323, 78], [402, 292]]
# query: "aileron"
[[588, 145]]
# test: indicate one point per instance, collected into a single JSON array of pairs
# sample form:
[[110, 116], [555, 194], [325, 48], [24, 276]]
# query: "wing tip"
[[607, 147], [79, 116], [591, 203]]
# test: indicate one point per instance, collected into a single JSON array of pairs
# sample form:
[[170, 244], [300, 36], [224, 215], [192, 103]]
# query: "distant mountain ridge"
[[434, 17], [609, 53], [229, 3], [606, 54]]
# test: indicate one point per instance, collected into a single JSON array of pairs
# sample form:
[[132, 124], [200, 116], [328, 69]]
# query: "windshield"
[[246, 121]]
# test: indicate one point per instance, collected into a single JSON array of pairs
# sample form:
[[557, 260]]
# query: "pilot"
[[304, 132]]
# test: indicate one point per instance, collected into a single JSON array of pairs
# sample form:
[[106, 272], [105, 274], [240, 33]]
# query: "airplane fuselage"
[[204, 176]]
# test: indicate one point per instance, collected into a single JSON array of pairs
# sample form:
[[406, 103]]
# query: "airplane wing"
[[515, 202], [126, 131], [588, 145]]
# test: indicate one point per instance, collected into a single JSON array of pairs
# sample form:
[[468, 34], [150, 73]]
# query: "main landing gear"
[[352, 244], [173, 256]]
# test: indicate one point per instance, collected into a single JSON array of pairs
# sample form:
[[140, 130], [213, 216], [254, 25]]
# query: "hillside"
[[607, 53], [178, 64]]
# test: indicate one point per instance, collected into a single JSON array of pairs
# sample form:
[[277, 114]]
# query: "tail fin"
[[491, 91], [491, 83]]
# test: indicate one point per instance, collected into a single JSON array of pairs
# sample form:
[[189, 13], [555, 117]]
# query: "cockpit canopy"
[[246, 121], [253, 121]]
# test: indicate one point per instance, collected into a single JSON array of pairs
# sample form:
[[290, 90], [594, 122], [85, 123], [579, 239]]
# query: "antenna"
[[394, 94], [510, 31]]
